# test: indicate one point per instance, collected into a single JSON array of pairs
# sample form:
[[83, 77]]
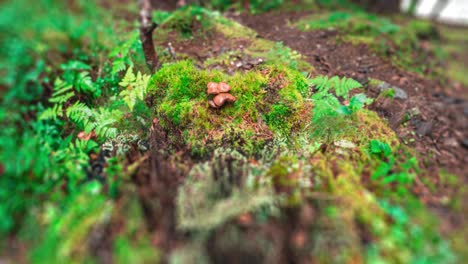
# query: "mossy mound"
[[270, 101]]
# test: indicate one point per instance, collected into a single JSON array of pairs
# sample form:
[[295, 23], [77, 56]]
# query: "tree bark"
[[147, 27]]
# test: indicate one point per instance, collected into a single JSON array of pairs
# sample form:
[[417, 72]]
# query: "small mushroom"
[[220, 99], [217, 88]]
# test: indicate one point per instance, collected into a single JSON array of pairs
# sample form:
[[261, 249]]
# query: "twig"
[[147, 27]]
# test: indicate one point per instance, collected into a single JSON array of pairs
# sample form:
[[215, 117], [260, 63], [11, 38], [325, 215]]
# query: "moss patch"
[[274, 94]]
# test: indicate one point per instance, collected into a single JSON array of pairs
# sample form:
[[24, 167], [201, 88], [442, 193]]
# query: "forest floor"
[[270, 179], [441, 130]]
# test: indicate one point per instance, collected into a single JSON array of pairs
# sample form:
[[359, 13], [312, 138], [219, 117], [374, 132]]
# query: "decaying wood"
[[147, 27]]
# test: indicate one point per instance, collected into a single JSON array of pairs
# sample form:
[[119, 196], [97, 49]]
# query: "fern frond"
[[118, 65], [104, 119], [321, 83], [100, 120], [342, 86], [129, 78], [52, 112], [326, 105], [79, 113], [62, 92], [136, 87]]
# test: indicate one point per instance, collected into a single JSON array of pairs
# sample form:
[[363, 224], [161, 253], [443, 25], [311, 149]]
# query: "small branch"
[[147, 27]]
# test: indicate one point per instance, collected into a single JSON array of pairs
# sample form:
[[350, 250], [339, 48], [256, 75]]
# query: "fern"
[[100, 120], [103, 119], [84, 84], [121, 54], [62, 93], [118, 65], [322, 83], [136, 87], [52, 112], [327, 105], [358, 102], [342, 86], [79, 113], [76, 74]]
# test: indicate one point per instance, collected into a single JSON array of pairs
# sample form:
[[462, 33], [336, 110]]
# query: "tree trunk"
[[380, 6], [147, 27]]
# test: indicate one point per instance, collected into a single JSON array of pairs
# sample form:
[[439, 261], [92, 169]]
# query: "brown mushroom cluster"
[[221, 94]]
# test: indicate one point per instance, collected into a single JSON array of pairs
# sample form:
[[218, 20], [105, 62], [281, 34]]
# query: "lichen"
[[216, 191]]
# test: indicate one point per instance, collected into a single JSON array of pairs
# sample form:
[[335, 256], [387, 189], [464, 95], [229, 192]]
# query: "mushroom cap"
[[224, 87], [220, 99], [212, 88], [217, 88]]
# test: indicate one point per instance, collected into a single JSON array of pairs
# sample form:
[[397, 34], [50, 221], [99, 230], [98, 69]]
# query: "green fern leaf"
[[343, 87], [52, 112], [62, 92], [136, 87], [325, 105]]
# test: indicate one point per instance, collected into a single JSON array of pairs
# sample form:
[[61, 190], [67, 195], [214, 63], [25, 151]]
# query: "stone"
[[399, 93], [424, 128]]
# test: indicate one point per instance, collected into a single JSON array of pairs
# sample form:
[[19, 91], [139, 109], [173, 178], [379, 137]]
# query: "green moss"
[[132, 244], [276, 117], [371, 126], [160, 16], [401, 230], [285, 175], [356, 23], [196, 22]]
